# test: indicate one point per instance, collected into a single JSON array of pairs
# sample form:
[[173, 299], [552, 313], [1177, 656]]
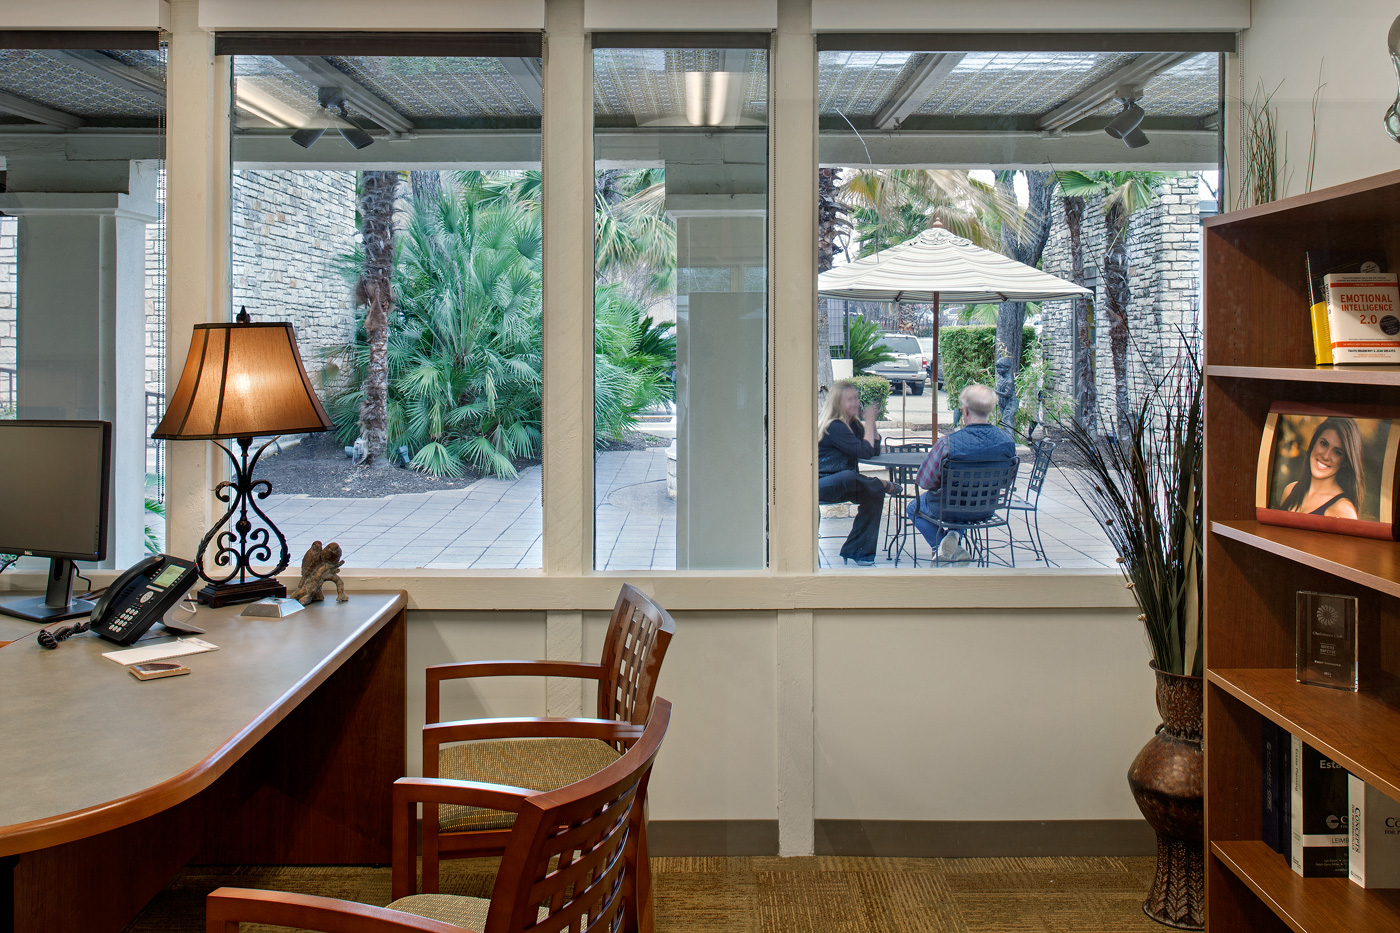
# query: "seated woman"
[[1335, 474], [844, 435]]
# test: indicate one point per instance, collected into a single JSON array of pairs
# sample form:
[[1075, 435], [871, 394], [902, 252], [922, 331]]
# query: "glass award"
[[1327, 640]]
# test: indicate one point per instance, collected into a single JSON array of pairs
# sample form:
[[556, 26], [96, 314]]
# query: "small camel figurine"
[[319, 567]]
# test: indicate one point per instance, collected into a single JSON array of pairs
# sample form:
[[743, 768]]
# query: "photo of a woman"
[[1328, 468], [1333, 475]]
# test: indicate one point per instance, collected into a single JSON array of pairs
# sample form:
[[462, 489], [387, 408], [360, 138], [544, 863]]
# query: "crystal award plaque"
[[1327, 640]]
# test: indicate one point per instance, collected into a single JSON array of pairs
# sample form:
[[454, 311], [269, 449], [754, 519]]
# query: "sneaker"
[[961, 556], [949, 546]]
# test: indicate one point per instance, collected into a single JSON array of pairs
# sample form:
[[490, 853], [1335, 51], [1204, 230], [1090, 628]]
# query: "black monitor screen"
[[53, 488]]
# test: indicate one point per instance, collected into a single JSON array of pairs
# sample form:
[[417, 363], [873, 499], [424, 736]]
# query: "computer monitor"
[[54, 482]]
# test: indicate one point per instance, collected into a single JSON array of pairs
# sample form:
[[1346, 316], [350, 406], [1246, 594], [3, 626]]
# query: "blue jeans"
[[931, 508], [868, 493]]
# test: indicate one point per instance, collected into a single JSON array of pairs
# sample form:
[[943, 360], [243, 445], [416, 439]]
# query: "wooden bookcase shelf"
[[1258, 350], [1335, 375], [1368, 561], [1309, 905], [1369, 748]]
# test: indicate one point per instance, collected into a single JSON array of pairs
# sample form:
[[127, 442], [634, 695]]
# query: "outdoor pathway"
[[495, 524]]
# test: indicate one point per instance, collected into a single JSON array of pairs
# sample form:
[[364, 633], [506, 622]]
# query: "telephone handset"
[[141, 596]]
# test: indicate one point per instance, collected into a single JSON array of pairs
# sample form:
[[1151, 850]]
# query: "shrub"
[[874, 390], [968, 355]]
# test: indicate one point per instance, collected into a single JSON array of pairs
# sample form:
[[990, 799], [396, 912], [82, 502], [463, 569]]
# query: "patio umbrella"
[[938, 266]]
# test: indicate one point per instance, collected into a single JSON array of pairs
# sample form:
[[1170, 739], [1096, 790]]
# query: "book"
[[1373, 858], [1363, 317], [1319, 819], [1276, 778], [1320, 263]]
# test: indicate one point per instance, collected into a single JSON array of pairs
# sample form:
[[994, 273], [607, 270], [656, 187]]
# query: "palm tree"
[[634, 240], [374, 292], [1024, 241], [1124, 194], [1086, 400], [832, 226]]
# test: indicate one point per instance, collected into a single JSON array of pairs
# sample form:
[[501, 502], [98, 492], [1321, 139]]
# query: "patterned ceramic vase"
[[1167, 779]]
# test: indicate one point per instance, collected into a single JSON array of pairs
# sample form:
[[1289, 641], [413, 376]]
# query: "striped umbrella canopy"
[[937, 266]]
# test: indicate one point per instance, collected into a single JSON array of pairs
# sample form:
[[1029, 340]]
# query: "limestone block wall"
[[9, 266], [290, 232], [1164, 266]]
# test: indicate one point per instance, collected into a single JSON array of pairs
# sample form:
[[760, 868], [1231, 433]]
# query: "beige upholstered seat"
[[570, 861], [535, 764]]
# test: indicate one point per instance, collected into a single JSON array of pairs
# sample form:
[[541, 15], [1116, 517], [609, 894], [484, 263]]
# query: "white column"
[[81, 326], [197, 249]]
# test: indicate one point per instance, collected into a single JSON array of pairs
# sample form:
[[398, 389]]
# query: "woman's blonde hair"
[[831, 409]]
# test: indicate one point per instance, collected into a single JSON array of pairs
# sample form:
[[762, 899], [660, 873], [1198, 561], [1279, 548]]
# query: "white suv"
[[909, 366]]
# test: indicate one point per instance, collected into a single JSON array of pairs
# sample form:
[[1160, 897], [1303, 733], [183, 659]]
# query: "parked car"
[[926, 347], [907, 367]]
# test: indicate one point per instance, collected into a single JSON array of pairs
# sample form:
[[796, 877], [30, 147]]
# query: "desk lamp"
[[242, 380]]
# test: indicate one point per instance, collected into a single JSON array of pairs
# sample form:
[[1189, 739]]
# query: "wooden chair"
[[634, 648], [569, 863]]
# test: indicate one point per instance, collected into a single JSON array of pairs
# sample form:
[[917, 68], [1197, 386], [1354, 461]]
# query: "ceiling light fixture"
[[706, 97], [265, 107], [1125, 125], [323, 120]]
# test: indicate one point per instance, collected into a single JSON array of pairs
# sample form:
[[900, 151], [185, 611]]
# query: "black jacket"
[[841, 449]]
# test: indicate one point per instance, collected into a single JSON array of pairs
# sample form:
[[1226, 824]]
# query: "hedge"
[[968, 355], [874, 390]]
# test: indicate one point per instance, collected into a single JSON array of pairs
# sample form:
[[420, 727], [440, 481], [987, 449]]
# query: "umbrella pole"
[[934, 438]]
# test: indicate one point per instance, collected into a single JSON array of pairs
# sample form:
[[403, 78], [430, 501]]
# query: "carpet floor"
[[771, 895]]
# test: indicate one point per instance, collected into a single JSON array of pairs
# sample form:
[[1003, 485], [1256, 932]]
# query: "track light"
[[349, 130], [1126, 125]]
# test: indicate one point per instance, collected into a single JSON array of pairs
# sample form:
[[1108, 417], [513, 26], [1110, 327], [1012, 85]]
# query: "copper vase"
[[1167, 779]]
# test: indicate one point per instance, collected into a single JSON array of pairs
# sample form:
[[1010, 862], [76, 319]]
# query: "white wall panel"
[[979, 715], [671, 15], [1289, 43], [401, 15], [439, 637], [719, 761], [85, 14], [1028, 15]]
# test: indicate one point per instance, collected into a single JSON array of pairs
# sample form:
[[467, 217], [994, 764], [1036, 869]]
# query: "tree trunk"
[[1024, 244], [829, 228], [427, 186], [378, 191], [1086, 395], [1115, 278]]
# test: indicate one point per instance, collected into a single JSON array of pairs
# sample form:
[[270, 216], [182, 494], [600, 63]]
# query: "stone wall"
[[1164, 265], [290, 231]]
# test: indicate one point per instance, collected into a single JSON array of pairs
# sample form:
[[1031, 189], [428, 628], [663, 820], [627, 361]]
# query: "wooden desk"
[[280, 748]]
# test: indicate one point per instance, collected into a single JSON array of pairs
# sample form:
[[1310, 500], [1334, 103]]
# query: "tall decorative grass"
[[1146, 492]]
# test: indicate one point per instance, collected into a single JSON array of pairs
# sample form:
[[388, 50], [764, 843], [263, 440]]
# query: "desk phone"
[[140, 598]]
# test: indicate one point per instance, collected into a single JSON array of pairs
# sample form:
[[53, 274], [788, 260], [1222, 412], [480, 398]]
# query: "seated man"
[[977, 439]]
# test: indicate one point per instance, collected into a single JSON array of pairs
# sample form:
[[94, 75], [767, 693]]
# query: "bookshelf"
[[1258, 349]]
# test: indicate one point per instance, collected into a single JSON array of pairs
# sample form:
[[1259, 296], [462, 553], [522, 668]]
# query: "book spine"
[[1356, 821], [1270, 822], [1322, 334], [1296, 805], [1285, 800]]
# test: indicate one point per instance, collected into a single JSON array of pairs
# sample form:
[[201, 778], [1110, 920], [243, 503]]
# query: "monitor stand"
[[57, 603]]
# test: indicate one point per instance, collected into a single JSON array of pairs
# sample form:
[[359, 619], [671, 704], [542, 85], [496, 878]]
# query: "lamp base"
[[215, 595]]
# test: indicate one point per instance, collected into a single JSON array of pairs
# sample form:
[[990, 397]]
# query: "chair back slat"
[[638, 635], [972, 488], [569, 849], [1041, 467]]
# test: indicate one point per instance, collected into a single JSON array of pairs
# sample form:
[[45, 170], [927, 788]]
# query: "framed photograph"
[[1329, 469]]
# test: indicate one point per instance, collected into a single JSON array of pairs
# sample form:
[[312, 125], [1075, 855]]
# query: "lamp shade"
[[242, 380]]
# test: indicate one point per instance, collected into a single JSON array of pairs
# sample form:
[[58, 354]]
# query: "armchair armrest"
[[227, 907], [467, 730], [437, 673]]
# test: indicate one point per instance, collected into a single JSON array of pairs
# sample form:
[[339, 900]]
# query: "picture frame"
[[1306, 476]]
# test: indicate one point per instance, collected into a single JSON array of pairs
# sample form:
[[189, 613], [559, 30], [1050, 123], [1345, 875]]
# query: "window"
[[81, 268], [680, 303], [360, 167], [1018, 150]]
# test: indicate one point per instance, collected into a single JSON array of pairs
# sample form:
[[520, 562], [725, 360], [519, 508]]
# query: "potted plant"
[[1145, 489]]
